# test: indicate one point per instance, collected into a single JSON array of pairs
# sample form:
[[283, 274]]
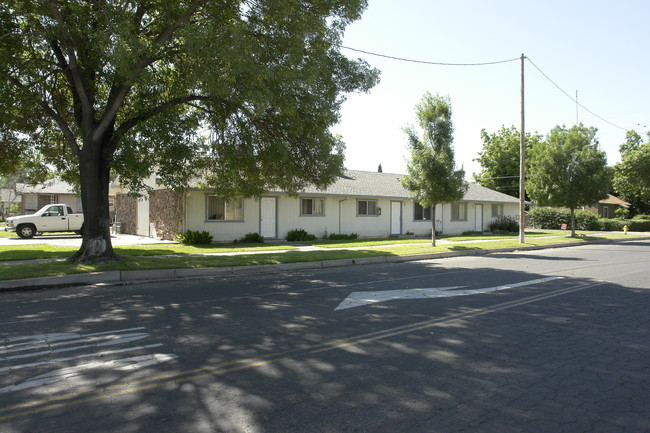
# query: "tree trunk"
[[573, 223], [94, 168], [433, 225]]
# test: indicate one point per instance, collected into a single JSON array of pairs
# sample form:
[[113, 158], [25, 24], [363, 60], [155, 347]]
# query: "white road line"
[[76, 373], [121, 339], [357, 299], [56, 336], [72, 358]]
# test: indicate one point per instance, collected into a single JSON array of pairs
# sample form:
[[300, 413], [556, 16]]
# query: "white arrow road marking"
[[358, 299], [75, 373]]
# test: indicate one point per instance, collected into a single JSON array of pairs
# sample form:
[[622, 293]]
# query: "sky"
[[599, 49]]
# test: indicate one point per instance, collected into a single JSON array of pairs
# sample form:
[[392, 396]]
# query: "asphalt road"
[[545, 341]]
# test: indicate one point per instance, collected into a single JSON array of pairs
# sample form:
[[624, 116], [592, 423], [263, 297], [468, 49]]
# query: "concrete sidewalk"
[[128, 277]]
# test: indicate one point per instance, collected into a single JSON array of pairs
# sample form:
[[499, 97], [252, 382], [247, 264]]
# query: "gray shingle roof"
[[356, 183], [53, 186]]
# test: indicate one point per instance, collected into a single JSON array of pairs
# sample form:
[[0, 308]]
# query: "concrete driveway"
[[73, 240]]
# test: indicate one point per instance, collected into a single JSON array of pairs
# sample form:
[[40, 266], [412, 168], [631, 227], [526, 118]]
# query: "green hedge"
[[638, 225], [552, 219]]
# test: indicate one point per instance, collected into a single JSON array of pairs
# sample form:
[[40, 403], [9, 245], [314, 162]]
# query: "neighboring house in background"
[[371, 204], [49, 192], [53, 191], [8, 198], [607, 208]]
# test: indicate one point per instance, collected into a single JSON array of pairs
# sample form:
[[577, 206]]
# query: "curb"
[[127, 277]]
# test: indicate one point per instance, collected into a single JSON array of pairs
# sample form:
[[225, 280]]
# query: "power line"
[[571, 98], [402, 59], [424, 62]]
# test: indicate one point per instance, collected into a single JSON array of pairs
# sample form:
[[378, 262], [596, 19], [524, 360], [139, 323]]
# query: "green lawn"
[[45, 251], [182, 257], [422, 240]]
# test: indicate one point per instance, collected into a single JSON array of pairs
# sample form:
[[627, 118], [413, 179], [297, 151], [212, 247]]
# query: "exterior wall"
[[599, 209], [340, 216], [126, 213], [166, 214], [222, 231], [611, 210]]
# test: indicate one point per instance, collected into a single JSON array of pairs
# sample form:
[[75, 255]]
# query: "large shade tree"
[[632, 173], [499, 159], [239, 93], [568, 169], [432, 175]]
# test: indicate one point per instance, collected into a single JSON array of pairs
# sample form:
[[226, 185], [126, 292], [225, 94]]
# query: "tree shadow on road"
[[270, 354]]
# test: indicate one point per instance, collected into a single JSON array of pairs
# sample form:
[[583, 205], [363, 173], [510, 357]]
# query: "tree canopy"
[[240, 94], [632, 174], [499, 159], [568, 169], [432, 175]]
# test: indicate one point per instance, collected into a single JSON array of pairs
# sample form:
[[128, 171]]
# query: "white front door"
[[267, 217], [479, 217], [395, 218], [143, 228]]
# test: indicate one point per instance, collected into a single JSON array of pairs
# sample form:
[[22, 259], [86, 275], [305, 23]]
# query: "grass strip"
[[45, 251]]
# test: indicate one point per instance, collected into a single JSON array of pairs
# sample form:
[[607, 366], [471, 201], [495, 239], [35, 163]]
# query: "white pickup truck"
[[50, 218]]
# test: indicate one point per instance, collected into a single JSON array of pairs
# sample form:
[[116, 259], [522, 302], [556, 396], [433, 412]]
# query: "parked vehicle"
[[50, 218]]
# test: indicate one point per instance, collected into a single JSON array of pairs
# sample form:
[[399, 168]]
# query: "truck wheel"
[[26, 231]]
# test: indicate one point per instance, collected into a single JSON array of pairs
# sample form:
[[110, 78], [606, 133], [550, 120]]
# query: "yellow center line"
[[76, 398]]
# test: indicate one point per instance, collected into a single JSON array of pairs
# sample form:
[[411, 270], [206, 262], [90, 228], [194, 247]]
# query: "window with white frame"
[[421, 213], [312, 206], [367, 207], [497, 210], [459, 211], [218, 209]]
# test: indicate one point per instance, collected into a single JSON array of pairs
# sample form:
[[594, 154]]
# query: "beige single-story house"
[[371, 204], [606, 208]]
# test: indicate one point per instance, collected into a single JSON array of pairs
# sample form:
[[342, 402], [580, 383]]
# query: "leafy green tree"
[[239, 94], [499, 159], [432, 175], [632, 174], [568, 170]]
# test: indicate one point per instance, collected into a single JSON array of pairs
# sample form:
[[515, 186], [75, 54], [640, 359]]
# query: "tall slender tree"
[[432, 177], [241, 93], [568, 169]]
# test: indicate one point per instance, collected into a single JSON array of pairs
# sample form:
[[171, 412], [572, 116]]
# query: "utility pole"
[[522, 159]]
